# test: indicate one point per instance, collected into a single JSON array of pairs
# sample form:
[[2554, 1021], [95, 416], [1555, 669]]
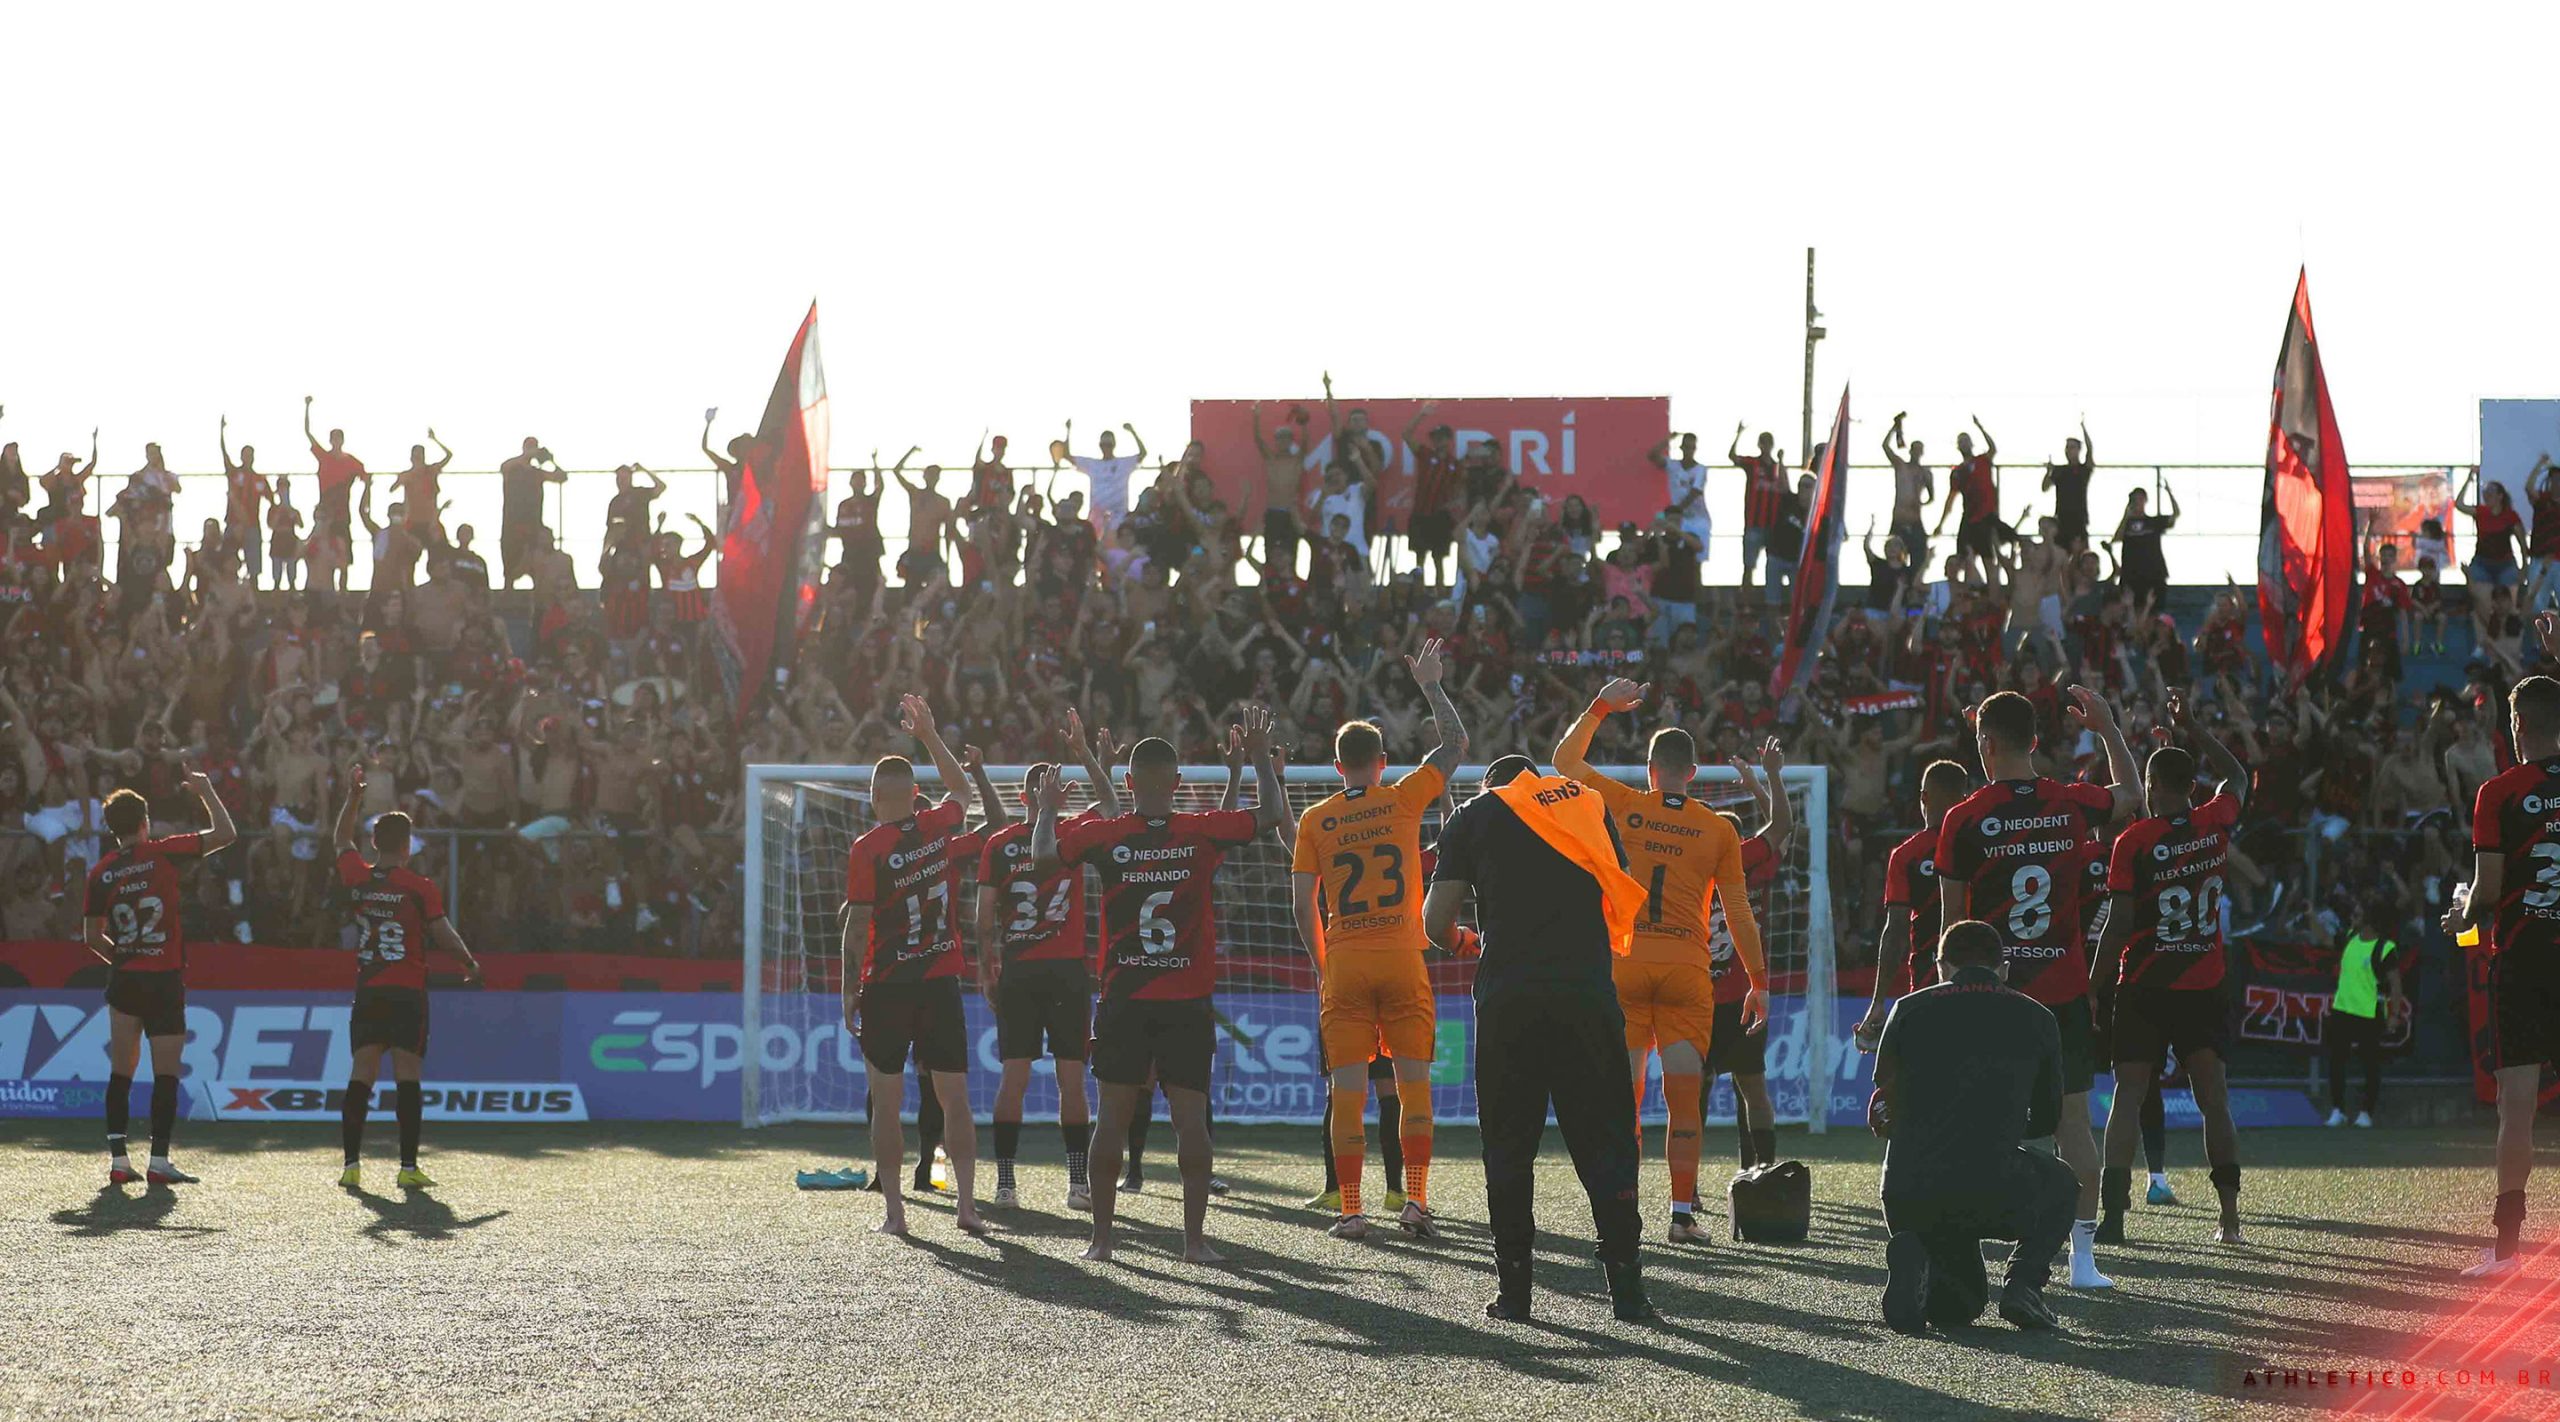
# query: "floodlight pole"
[[1812, 332]]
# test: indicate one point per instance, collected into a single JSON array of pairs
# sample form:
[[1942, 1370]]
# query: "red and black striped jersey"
[[1974, 480], [392, 906], [2166, 874], [2093, 895], [1043, 919], [1764, 489], [2020, 849], [1759, 871], [907, 871], [1911, 889], [135, 889], [1159, 881], [2517, 815]]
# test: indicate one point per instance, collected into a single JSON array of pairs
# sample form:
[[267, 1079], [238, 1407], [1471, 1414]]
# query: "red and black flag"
[[1817, 582], [2306, 529], [772, 551]]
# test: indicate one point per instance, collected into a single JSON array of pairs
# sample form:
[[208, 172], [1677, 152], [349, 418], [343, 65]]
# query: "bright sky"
[[591, 224]]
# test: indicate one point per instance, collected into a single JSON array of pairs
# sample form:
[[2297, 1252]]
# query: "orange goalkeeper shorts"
[[1376, 1000], [1666, 1003]]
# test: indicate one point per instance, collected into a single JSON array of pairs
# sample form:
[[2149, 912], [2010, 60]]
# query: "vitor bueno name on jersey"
[[2019, 849]]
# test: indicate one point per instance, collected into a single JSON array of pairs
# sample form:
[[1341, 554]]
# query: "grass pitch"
[[616, 1270]]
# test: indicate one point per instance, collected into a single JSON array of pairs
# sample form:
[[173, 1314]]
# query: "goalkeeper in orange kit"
[[1357, 877], [1685, 855]]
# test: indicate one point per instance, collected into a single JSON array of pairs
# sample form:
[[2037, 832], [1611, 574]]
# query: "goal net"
[[804, 1066]]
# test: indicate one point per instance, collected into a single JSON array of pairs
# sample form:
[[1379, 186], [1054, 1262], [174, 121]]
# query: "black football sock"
[[1390, 1133], [1078, 1137], [2509, 1218], [1079, 1141], [2115, 1189], [413, 1114], [929, 1125], [1008, 1140], [2226, 1185], [119, 1112], [1742, 1130], [1324, 1146], [164, 1114], [351, 1119], [1764, 1145]]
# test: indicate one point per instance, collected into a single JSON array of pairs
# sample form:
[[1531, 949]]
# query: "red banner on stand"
[[1594, 447]]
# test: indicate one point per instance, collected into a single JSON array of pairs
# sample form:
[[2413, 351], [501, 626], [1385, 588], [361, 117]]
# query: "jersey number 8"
[[2030, 903]]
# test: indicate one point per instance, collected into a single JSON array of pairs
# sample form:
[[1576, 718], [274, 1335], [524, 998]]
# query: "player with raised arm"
[[1034, 965], [1741, 1046], [1907, 948], [1688, 857], [2162, 947], [2514, 898], [398, 912], [2013, 855], [1159, 957], [131, 922], [902, 959], [1354, 871]]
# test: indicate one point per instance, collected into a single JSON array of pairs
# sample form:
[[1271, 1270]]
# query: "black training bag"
[[1772, 1204]]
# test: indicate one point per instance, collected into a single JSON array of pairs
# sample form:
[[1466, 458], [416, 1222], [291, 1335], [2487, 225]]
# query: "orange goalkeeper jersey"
[[1365, 848]]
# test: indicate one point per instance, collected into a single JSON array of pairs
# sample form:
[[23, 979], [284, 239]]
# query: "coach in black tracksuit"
[[1965, 1071], [1548, 1029]]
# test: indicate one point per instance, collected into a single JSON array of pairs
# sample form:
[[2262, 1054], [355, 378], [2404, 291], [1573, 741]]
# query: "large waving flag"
[[1817, 584], [2306, 529], [771, 552]]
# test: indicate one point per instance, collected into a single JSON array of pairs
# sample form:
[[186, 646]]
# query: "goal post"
[[801, 1065]]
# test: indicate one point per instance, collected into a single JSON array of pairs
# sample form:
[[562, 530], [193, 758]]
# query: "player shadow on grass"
[[114, 1211], [416, 1214], [1060, 1281]]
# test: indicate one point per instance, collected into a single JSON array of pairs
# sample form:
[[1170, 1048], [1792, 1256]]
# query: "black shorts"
[[389, 1017], [1430, 533], [1044, 1002], [1734, 1050], [2151, 1019], [1980, 537], [915, 566], [2079, 1044], [159, 999], [1172, 1041], [924, 1016], [2524, 1009]]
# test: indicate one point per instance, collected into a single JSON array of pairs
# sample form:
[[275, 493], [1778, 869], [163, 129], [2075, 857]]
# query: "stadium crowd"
[[560, 738]]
